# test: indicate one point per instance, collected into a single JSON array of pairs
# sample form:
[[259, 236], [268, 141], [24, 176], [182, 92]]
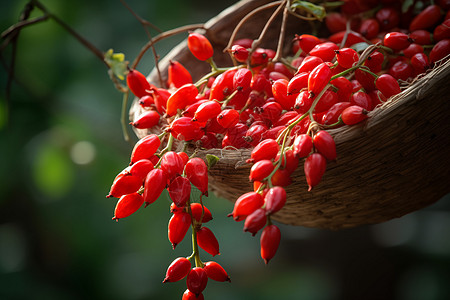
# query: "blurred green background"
[[61, 146]]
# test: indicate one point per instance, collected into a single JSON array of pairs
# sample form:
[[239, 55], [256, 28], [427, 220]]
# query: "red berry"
[[396, 41], [198, 210], [239, 53], [200, 46], [154, 184], [172, 164], [440, 50], [148, 119], [270, 240], [297, 83], [137, 83], [388, 18], [280, 93], [246, 204], [346, 57], [369, 28], [266, 149], [179, 224], [177, 270], [145, 148], [324, 144], [261, 170], [228, 118], [275, 199], [184, 129], [325, 51], [178, 75], [216, 272], [255, 221], [124, 183], [188, 295], [333, 114], [180, 190], [315, 165], [197, 173], [181, 98], [361, 99], [206, 111], [318, 79], [303, 145], [426, 18], [207, 241], [309, 63], [354, 114], [307, 42], [127, 205], [141, 168], [197, 280], [387, 85]]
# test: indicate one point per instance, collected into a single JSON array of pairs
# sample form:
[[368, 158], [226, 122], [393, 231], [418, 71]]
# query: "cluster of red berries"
[[280, 109]]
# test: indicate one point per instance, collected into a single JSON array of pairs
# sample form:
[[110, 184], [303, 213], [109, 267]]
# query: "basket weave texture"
[[396, 162]]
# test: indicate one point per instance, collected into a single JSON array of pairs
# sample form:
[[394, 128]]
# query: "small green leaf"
[[316, 10], [360, 47], [117, 63], [211, 160]]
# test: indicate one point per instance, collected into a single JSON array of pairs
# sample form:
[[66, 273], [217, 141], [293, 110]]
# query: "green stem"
[[123, 118]]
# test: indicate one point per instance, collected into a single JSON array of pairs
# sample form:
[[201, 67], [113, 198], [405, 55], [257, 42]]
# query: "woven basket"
[[396, 162]]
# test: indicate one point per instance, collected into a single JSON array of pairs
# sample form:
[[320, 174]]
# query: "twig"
[[245, 19], [146, 24], [278, 54], [18, 26], [266, 27], [161, 36], [81, 39]]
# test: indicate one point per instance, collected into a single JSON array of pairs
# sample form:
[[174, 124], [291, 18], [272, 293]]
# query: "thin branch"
[[163, 36], [146, 24], [266, 27], [278, 54], [81, 39], [245, 19], [140, 19], [19, 25]]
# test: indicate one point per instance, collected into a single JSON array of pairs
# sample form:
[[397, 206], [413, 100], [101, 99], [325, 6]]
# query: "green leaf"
[[315, 10], [211, 160], [360, 47], [117, 63]]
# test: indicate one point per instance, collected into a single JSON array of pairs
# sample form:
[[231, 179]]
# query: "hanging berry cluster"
[[281, 108]]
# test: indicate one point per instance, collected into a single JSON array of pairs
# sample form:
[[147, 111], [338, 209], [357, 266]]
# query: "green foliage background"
[[61, 146]]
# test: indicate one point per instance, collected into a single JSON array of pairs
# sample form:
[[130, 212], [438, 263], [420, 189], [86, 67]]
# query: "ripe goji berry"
[[324, 144], [387, 85], [266, 149], [207, 241], [177, 270], [354, 114], [179, 224], [318, 79], [315, 165], [197, 280], [148, 119], [177, 75], [198, 210], [197, 173], [145, 148], [137, 83], [303, 145], [270, 240], [155, 183], [255, 221], [216, 272], [180, 190], [181, 98], [246, 204], [200, 46], [127, 205], [275, 199], [261, 170]]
